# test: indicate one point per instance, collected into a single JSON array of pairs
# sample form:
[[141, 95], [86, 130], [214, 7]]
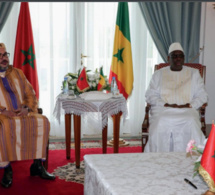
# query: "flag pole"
[[122, 142]]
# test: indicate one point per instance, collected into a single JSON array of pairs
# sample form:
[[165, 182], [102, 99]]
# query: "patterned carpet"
[[91, 144], [69, 172]]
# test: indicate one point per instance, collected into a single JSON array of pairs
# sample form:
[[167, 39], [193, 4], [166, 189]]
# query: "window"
[[65, 30]]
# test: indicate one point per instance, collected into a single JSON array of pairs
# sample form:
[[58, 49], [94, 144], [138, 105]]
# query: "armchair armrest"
[[145, 127], [204, 106], [145, 124], [202, 117]]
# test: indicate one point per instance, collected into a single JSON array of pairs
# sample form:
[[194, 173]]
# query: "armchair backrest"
[[200, 67]]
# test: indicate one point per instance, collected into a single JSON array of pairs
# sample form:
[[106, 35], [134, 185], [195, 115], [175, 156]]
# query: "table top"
[[141, 173], [79, 106]]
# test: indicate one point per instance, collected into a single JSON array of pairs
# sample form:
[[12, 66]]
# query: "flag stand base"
[[122, 142]]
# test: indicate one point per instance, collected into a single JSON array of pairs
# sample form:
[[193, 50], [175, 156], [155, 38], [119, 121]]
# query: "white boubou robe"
[[172, 128]]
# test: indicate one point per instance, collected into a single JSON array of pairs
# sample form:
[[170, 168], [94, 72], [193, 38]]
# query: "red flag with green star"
[[82, 84], [24, 55], [121, 67], [207, 167]]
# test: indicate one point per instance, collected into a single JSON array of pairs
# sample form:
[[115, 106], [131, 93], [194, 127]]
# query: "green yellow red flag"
[[121, 66], [101, 83]]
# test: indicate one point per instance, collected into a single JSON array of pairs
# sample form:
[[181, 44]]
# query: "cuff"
[[2, 109]]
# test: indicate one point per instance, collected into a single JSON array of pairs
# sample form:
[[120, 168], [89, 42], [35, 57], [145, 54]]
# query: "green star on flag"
[[82, 84], [123, 73], [28, 54], [119, 55], [213, 155], [24, 52]]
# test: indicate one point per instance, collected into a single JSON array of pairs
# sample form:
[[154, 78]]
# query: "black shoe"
[[38, 169], [8, 177]]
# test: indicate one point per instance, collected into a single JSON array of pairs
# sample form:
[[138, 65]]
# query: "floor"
[[93, 142], [92, 138]]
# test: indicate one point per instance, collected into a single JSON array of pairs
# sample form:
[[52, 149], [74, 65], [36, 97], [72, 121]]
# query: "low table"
[[141, 173]]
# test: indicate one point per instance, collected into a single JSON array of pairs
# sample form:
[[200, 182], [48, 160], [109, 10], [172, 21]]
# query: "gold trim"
[[85, 89], [207, 178], [209, 193]]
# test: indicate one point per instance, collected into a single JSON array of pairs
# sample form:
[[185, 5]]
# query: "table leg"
[[104, 140], [68, 134], [116, 124], [77, 135]]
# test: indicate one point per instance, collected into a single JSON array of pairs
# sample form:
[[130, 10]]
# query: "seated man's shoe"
[[7, 177], [38, 169]]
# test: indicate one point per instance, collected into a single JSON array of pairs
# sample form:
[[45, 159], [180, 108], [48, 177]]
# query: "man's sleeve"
[[153, 92], [2, 108], [199, 94], [30, 99]]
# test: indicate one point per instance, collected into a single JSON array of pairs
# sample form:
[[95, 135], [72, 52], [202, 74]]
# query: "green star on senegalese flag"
[[29, 57], [121, 65], [119, 55], [101, 83]]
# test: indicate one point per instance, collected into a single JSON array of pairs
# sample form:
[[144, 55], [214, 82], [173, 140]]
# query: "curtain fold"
[[5, 8], [174, 22]]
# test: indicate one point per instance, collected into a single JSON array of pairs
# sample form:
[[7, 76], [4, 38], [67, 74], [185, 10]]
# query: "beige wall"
[[207, 57]]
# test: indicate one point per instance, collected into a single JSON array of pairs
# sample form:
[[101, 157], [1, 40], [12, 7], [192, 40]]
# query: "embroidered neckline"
[[2, 74]]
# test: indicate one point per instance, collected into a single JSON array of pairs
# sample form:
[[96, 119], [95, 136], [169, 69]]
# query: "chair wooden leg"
[[142, 144], [144, 140]]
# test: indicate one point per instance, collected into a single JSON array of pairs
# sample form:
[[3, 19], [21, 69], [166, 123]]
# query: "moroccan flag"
[[82, 84], [207, 167], [101, 83], [121, 67], [24, 55]]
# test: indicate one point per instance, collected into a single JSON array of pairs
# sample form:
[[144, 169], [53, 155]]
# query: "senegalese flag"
[[82, 84], [121, 67], [101, 83], [24, 55], [207, 166]]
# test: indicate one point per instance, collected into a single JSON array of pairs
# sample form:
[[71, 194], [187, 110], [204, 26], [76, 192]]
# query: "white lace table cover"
[[79, 106], [141, 173]]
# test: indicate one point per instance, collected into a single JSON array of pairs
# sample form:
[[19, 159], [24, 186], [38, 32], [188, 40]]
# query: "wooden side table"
[[77, 135], [115, 107]]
